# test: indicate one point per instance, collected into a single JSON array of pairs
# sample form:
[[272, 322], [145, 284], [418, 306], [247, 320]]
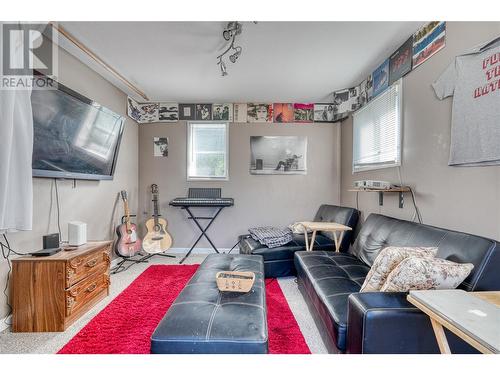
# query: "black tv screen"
[[74, 137]]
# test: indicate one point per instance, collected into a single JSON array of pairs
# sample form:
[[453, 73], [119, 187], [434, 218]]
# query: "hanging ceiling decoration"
[[229, 34]]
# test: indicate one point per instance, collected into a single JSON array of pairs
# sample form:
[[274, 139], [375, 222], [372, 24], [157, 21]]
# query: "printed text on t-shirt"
[[491, 67]]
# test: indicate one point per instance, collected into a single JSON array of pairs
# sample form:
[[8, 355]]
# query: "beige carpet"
[[41, 343]]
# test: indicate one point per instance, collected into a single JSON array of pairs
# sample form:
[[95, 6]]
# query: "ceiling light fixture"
[[229, 34]]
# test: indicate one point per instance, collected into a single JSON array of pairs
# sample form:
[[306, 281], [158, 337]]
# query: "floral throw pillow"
[[387, 260], [416, 273]]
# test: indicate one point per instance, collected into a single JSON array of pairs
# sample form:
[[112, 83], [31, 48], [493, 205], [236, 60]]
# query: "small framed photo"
[[259, 112], [203, 112], [240, 112], [324, 112], [222, 112], [303, 112], [283, 112], [187, 112], [160, 147], [168, 112]]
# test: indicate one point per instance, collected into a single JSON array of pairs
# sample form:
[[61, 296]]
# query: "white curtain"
[[16, 148]]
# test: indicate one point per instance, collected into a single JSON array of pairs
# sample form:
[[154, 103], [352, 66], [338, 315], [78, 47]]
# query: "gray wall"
[[92, 202], [460, 198], [259, 200]]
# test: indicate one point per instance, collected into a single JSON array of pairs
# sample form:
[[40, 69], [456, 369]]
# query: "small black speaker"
[[51, 241]]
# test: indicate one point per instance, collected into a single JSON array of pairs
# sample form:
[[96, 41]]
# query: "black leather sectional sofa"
[[377, 322], [278, 261]]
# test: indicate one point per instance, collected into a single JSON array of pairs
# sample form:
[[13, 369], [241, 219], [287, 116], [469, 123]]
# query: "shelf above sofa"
[[400, 190]]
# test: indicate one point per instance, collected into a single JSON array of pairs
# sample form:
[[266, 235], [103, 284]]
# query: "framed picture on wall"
[[365, 91], [272, 155], [223, 112], [427, 41], [187, 112], [324, 112], [283, 112], [240, 112], [168, 112], [381, 78], [303, 112], [259, 112], [203, 112], [133, 110], [160, 146], [400, 61], [148, 112]]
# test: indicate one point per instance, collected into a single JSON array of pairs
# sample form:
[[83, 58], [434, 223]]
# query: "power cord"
[[58, 211], [6, 252], [417, 210]]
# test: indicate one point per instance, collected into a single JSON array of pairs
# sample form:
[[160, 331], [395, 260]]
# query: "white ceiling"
[[281, 61]]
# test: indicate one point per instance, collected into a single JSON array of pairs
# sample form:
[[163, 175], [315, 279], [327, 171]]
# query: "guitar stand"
[[120, 267], [203, 230]]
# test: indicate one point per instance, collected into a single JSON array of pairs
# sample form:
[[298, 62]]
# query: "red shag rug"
[[126, 324]]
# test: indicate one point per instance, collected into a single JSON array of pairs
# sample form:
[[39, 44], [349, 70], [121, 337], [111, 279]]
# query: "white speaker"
[[77, 233]]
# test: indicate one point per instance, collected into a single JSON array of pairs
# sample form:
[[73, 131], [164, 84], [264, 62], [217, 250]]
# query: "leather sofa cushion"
[[331, 278], [204, 320], [379, 231]]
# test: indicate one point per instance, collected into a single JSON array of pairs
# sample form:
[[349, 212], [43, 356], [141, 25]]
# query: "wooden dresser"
[[50, 293]]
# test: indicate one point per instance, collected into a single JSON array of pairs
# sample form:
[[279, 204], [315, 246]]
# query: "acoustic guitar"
[[128, 244], [157, 240]]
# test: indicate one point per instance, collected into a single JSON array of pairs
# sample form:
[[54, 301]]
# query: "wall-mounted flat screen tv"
[[74, 137]]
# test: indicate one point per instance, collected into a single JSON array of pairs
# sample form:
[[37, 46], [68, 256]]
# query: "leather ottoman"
[[206, 321]]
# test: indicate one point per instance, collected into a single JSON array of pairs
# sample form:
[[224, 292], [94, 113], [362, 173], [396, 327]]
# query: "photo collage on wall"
[[417, 49], [300, 113]]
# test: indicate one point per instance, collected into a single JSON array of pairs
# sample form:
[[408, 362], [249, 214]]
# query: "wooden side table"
[[50, 293], [472, 316], [336, 229]]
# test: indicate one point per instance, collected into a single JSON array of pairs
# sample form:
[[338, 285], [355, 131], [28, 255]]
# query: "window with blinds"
[[377, 131], [208, 146]]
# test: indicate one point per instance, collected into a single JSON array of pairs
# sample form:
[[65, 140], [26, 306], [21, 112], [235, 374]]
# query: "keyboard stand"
[[203, 230]]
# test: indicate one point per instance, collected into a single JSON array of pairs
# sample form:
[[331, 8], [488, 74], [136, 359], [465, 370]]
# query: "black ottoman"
[[204, 320]]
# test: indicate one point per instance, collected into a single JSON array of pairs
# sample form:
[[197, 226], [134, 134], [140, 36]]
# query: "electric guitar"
[[157, 240], [128, 243]]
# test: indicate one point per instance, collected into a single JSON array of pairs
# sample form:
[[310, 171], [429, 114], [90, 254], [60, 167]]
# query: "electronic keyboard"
[[203, 197], [202, 202]]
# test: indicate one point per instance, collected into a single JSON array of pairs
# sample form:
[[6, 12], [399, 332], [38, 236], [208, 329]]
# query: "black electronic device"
[[45, 252], [51, 241], [73, 136]]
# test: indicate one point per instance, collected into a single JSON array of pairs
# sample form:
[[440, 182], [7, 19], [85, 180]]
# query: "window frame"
[[399, 141], [190, 151]]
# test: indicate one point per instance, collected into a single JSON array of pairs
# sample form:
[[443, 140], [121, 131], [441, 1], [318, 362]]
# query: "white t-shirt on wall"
[[473, 79]]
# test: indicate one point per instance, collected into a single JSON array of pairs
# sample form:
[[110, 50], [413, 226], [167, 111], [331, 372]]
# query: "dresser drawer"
[[79, 295], [82, 266]]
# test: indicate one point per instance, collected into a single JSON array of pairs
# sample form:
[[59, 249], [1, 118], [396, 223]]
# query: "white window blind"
[[377, 131], [208, 151]]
